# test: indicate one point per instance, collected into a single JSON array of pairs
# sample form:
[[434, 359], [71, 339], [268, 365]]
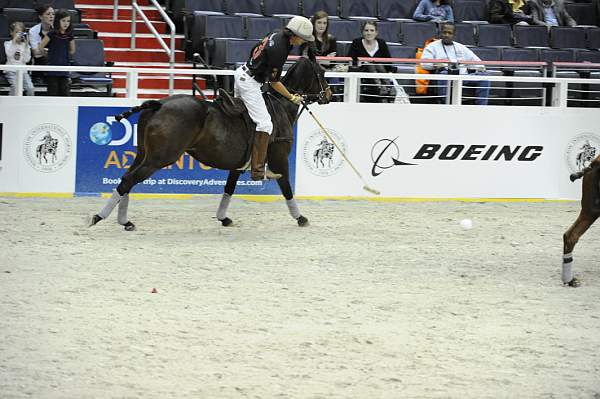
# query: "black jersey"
[[267, 57]]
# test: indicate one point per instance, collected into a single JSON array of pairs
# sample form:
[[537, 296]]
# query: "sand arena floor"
[[372, 300]]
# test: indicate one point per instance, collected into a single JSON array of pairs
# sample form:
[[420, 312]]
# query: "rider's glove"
[[296, 99]]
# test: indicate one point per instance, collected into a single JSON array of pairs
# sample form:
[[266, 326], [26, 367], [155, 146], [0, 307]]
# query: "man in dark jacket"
[[550, 13]]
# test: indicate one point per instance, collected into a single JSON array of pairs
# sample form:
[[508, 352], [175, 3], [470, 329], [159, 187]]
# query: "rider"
[[265, 65]]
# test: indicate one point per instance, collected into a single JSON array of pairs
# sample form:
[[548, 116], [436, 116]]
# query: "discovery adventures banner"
[[106, 149]]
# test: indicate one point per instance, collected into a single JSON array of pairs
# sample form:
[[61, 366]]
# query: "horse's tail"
[[154, 105]]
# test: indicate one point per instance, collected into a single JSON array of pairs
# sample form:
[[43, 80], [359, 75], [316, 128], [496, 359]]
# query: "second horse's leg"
[[570, 238], [232, 179]]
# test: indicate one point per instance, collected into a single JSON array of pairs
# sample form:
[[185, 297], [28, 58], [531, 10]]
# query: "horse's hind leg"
[[570, 238], [232, 179]]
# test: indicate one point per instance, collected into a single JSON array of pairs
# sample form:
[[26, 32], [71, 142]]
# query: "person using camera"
[[447, 49], [18, 52]]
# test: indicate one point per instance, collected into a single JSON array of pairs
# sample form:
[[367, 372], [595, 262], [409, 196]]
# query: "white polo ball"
[[466, 224]]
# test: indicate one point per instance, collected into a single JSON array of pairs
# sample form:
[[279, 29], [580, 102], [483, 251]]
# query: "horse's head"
[[307, 78]]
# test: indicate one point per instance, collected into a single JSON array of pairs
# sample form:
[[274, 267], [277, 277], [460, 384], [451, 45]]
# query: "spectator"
[[18, 52], [60, 46], [369, 46], [508, 12], [447, 49], [550, 13], [36, 34], [434, 11]]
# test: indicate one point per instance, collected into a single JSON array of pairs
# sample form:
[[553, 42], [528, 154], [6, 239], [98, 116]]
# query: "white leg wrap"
[[122, 212], [110, 205], [293, 208], [223, 205], [567, 268]]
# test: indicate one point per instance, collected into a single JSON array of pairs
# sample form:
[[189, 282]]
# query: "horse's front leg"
[[570, 238], [278, 162], [232, 179]]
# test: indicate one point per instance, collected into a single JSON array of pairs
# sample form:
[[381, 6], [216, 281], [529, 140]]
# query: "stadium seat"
[[30, 4], [3, 26], [582, 13], [218, 26], [396, 10], [358, 9], [520, 54], [494, 35], [20, 14], [388, 31], [245, 8], [588, 56], [531, 36], [345, 30], [259, 27], [84, 33], [312, 6], [228, 53], [593, 38], [90, 52], [416, 33], [403, 51], [465, 34], [469, 10], [57, 4], [567, 37], [285, 8], [208, 7], [487, 53], [553, 55]]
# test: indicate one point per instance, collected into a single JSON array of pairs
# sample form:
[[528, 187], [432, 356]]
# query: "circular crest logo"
[[47, 147], [582, 150], [321, 156]]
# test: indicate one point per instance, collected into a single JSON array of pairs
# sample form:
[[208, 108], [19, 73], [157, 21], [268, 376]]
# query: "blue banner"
[[106, 148]]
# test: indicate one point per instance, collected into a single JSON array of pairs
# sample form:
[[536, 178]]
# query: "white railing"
[[351, 85], [170, 50]]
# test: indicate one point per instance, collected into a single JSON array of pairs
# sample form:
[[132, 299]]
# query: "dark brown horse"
[[218, 136], [590, 211]]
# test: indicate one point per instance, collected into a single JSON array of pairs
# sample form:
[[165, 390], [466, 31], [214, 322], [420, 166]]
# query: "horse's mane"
[[292, 77]]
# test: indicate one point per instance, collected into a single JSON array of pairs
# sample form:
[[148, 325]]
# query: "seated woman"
[[508, 12], [434, 11], [369, 46]]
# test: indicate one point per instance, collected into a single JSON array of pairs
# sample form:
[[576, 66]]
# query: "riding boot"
[[259, 156]]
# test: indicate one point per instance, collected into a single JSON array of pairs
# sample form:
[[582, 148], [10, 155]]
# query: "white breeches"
[[248, 90]]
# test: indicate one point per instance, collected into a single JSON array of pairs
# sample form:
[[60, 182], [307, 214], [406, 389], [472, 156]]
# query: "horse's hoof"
[[302, 221], [93, 220], [574, 283], [226, 222], [129, 226]]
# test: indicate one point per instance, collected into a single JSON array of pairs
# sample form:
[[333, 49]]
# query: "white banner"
[[446, 151]]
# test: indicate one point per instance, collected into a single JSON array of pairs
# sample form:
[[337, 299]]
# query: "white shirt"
[[454, 52], [11, 48], [35, 38]]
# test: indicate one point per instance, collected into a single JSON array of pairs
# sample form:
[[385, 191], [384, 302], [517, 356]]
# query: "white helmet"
[[301, 27]]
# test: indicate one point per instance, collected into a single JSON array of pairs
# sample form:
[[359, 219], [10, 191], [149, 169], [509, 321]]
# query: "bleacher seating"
[[310, 7], [90, 52], [402, 51], [399, 10], [3, 26], [358, 9], [566, 37], [227, 53], [344, 29], [416, 33], [520, 54], [554, 55], [593, 38], [66, 4], [465, 33], [582, 13], [20, 14], [469, 10], [494, 35], [487, 53], [245, 7], [283, 8], [588, 56], [259, 27], [531, 36], [389, 31], [17, 4]]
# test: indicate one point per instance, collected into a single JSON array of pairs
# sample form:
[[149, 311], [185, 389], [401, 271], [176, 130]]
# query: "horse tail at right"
[[152, 105]]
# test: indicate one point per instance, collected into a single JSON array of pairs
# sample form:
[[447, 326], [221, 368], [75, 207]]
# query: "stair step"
[[78, 3], [124, 12], [142, 41], [123, 26], [140, 55], [157, 82]]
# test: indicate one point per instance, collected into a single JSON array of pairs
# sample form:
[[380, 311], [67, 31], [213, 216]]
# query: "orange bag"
[[422, 84]]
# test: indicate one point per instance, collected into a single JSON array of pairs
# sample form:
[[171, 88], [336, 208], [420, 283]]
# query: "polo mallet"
[[365, 185]]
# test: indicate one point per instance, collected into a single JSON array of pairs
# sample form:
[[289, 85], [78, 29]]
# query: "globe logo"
[[100, 133]]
